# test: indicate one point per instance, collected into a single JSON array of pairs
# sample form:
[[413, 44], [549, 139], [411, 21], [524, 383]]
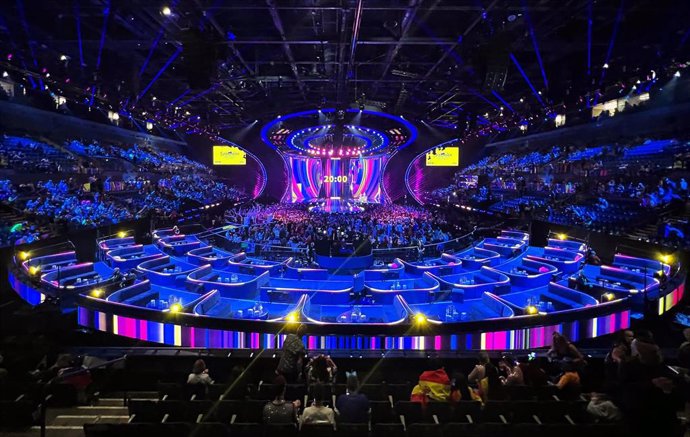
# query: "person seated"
[[563, 351], [513, 372], [352, 407], [478, 373], [318, 413], [433, 385], [569, 383], [321, 369], [490, 387], [279, 410], [460, 390], [199, 374]]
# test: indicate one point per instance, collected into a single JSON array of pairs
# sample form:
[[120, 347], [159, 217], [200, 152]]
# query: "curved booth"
[[485, 307], [241, 263], [574, 246], [515, 235], [116, 243], [78, 277], [167, 271], [525, 273], [215, 305], [473, 285], [229, 284], [178, 245], [422, 289], [393, 270], [48, 263], [551, 298], [598, 280], [564, 260], [506, 247], [203, 255], [130, 257], [474, 258], [323, 312], [649, 267], [444, 265]]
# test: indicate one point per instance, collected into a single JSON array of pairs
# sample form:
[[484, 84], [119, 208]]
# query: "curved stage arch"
[[497, 294]]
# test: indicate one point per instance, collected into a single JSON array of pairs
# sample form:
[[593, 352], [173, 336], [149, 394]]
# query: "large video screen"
[[229, 155], [443, 157], [357, 179]]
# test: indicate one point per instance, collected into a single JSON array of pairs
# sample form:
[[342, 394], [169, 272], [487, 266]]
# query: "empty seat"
[[425, 429], [353, 429], [388, 429], [317, 430], [227, 411], [144, 410], [411, 411], [280, 430], [382, 412], [497, 411], [454, 429], [467, 411]]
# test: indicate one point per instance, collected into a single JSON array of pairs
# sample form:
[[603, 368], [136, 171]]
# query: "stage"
[[499, 293]]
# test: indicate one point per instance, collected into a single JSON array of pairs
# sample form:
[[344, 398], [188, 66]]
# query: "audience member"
[[199, 374], [490, 387], [292, 356], [479, 371], [318, 413], [278, 410], [353, 406], [321, 369], [433, 385]]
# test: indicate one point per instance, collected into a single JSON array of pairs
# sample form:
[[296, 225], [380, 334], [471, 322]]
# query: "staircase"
[[69, 422]]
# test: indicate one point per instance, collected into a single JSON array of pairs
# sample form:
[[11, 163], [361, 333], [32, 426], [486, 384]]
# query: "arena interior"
[[344, 218]]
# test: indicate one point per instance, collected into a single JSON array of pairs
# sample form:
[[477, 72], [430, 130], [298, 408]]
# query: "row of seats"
[[251, 411], [351, 430], [375, 392]]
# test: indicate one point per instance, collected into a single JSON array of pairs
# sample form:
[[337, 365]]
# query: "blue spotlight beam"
[[191, 99], [507, 105], [534, 43], [106, 14], [616, 25], [77, 18], [25, 25], [589, 38], [163, 68], [524, 76], [151, 50], [478, 94]]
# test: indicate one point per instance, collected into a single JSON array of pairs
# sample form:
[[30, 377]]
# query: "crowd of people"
[[637, 388], [293, 225], [613, 188]]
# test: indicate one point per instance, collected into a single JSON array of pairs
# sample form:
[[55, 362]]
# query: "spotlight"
[[5, 74], [666, 258], [608, 297], [97, 292], [24, 255], [121, 234], [561, 236], [606, 65], [166, 11], [292, 317], [175, 308], [149, 125], [420, 319], [677, 74], [531, 310], [63, 58], [34, 270]]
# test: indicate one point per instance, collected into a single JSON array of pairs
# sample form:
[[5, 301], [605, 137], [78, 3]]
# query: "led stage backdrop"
[[335, 178]]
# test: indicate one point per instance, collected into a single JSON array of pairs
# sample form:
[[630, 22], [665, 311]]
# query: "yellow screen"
[[229, 155], [443, 157]]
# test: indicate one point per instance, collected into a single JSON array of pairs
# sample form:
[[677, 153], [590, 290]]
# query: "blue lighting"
[[616, 25], [502, 101], [77, 16], [151, 50], [522, 72], [230, 36], [106, 13], [155, 78]]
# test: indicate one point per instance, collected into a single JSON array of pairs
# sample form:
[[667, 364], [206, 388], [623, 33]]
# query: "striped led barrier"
[[671, 299], [191, 336]]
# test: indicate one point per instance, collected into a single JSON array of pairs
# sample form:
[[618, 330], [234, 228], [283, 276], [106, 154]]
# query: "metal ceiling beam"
[[278, 23], [456, 43], [407, 21]]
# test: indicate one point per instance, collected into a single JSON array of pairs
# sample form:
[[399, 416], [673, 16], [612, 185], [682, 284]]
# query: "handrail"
[[46, 397]]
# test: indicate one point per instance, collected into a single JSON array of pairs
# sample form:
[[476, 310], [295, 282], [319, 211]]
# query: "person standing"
[[292, 356]]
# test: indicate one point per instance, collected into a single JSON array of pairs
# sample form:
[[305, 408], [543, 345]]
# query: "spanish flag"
[[433, 385]]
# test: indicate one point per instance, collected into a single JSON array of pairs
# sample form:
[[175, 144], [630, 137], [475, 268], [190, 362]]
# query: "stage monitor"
[[443, 157], [229, 155]]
